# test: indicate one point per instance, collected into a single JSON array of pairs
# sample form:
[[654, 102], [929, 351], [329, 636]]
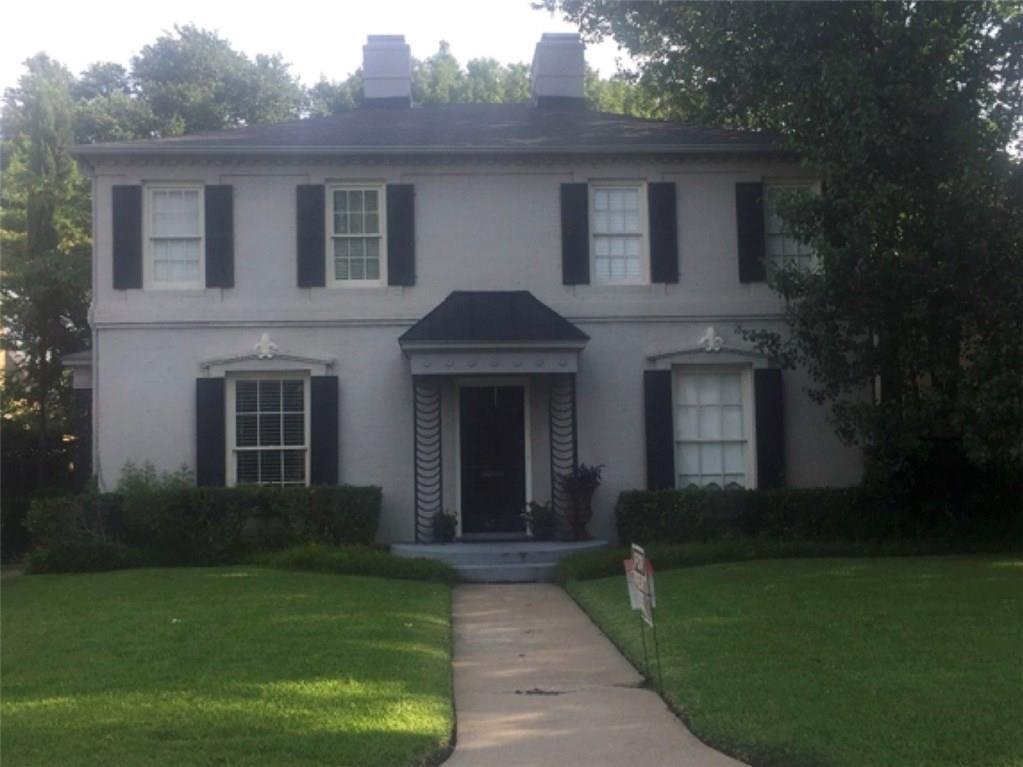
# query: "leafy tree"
[[329, 97], [45, 240], [194, 81], [905, 111], [620, 94], [103, 78], [438, 79]]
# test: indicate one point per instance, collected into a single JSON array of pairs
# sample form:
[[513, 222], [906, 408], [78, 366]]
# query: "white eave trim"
[[495, 346], [492, 362], [99, 150]]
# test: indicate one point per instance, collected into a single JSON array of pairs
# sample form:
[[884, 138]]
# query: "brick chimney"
[[559, 70], [386, 72]]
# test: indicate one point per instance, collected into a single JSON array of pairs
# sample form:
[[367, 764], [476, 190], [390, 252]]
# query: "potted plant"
[[580, 484], [542, 520], [444, 526]]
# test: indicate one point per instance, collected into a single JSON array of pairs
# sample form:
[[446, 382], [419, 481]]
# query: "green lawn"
[[224, 666], [840, 662]]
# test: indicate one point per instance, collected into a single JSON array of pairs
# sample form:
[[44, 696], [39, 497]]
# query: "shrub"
[[868, 513], [15, 538], [359, 560], [818, 514], [54, 521], [94, 556], [173, 522]]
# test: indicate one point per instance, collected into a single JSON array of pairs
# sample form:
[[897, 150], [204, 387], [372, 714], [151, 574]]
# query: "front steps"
[[505, 562]]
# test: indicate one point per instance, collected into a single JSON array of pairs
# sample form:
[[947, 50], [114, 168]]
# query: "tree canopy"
[[907, 113]]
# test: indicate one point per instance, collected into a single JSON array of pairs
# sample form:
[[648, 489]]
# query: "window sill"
[[380, 290], [188, 292], [613, 289]]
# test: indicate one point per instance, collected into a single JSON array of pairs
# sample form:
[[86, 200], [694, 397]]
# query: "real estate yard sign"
[[639, 572], [639, 578]]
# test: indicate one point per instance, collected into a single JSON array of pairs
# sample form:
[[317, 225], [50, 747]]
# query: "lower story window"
[[269, 442], [711, 440]]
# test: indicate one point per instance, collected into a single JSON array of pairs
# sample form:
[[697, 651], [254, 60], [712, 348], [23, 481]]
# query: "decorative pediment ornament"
[[265, 348], [710, 340], [267, 355]]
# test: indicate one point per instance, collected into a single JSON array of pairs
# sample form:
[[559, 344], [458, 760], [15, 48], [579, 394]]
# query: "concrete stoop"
[[504, 562]]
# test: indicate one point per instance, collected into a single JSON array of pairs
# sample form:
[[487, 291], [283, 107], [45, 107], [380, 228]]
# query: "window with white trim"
[[712, 440], [782, 247], [269, 430], [356, 225], [175, 236], [618, 232]]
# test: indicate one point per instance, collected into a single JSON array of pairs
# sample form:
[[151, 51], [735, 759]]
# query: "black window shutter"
[[219, 236], [663, 232], [323, 437], [575, 234], [660, 437], [83, 437], [749, 209], [210, 448], [127, 205], [312, 236], [401, 234], [770, 422]]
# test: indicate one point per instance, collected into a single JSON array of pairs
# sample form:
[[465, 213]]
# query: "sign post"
[[639, 578]]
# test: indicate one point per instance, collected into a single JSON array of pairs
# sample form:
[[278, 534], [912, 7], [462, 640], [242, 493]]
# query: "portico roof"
[[493, 316], [501, 331]]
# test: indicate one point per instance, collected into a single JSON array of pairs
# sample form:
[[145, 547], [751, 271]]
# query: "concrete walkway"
[[537, 684]]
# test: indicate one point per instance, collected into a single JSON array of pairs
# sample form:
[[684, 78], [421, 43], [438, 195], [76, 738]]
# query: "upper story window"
[[175, 236], [712, 445], [781, 247], [268, 428], [356, 226], [619, 233]]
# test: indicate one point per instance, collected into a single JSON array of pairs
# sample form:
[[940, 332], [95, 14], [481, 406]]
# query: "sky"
[[316, 38]]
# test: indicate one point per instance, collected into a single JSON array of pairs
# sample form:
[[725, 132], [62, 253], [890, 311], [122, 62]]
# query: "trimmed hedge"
[[92, 557], [173, 523], [812, 514], [359, 560]]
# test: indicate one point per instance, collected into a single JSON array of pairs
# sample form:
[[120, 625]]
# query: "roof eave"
[[89, 151]]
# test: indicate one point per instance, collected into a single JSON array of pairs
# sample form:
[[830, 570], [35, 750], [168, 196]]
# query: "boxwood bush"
[[819, 514], [803, 514], [171, 522]]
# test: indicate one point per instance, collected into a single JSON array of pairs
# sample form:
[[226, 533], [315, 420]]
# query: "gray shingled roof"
[[492, 316], [454, 129]]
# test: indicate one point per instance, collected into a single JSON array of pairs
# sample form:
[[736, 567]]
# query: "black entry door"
[[493, 447]]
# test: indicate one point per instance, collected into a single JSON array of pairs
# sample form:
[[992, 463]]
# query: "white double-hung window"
[[175, 236], [356, 240], [712, 428], [268, 430], [618, 224], [782, 247]]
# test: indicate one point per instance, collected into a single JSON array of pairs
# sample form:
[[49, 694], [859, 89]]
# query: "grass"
[[839, 662], [224, 666], [603, 563], [351, 560]]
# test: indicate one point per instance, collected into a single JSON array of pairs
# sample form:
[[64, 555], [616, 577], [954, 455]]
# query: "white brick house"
[[452, 302]]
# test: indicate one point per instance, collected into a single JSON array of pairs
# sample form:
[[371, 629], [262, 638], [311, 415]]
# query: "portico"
[[494, 410]]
